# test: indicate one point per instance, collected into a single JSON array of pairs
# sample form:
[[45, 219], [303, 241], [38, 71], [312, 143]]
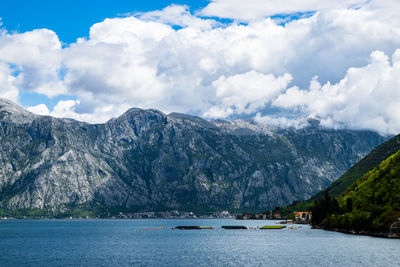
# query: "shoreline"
[[362, 233], [111, 218]]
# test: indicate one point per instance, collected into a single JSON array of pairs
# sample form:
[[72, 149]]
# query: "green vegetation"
[[296, 206], [371, 204], [76, 212]]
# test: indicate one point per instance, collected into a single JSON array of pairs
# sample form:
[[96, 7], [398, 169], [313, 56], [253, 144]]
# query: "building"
[[302, 215]]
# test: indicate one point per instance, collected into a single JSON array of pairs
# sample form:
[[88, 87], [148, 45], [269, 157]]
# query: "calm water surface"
[[122, 243]]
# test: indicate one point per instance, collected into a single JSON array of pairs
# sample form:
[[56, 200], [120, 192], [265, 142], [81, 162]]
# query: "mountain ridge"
[[146, 159], [365, 165]]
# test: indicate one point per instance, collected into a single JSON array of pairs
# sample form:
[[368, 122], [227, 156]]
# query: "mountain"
[[370, 205], [339, 186], [369, 162], [146, 160]]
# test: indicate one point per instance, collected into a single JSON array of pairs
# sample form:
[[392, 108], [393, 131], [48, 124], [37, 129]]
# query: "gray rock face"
[[148, 160]]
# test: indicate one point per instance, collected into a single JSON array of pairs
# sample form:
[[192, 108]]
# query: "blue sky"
[[72, 19]]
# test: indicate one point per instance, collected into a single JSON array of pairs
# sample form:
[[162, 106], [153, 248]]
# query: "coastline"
[[109, 214], [363, 233], [111, 218]]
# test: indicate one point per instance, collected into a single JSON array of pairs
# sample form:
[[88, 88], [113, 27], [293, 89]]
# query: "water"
[[122, 243]]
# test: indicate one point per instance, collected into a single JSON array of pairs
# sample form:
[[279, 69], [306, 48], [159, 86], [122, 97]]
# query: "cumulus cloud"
[[281, 122], [68, 109], [366, 98], [40, 109], [245, 93], [255, 9], [36, 57], [7, 80], [177, 15], [216, 70]]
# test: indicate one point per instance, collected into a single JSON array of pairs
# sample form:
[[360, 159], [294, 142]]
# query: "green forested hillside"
[[371, 204]]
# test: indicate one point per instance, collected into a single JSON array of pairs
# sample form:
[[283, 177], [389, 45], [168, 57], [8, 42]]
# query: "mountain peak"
[[6, 102], [243, 127], [313, 122], [193, 119], [15, 113], [140, 112]]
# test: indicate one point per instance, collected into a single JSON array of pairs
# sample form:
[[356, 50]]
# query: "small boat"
[[234, 227], [266, 227], [191, 227]]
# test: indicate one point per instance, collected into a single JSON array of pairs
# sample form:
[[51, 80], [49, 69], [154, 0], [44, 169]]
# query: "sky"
[[277, 62]]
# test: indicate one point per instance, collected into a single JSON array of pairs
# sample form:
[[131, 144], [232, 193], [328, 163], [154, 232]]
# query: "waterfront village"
[[302, 217], [298, 217], [174, 214]]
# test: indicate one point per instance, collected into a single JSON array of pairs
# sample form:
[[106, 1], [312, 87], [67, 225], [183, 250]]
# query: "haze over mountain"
[[146, 160]]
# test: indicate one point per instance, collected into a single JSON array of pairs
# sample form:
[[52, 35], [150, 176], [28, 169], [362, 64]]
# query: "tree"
[[349, 204], [334, 206]]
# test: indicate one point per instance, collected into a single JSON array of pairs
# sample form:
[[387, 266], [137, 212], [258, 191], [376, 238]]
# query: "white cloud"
[[256, 9], [366, 98], [40, 109], [7, 87], [245, 93], [281, 122], [214, 70], [68, 109], [177, 15], [37, 57]]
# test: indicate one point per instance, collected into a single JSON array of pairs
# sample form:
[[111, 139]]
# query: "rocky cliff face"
[[148, 160]]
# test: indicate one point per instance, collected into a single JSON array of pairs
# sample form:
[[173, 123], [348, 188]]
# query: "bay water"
[[139, 243]]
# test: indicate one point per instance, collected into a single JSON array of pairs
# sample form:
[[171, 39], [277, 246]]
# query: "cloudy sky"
[[278, 62]]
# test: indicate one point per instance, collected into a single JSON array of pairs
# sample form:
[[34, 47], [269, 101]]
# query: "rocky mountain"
[[340, 185], [372, 160], [146, 160]]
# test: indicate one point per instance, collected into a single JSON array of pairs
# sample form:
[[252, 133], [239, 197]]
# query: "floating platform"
[[267, 227], [191, 227], [234, 227], [149, 229]]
